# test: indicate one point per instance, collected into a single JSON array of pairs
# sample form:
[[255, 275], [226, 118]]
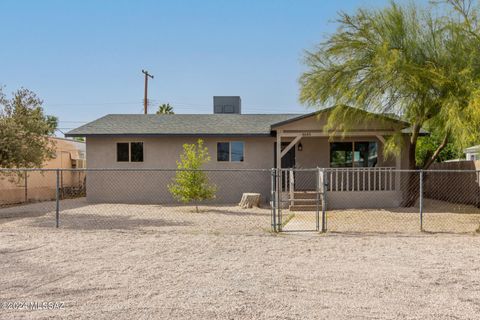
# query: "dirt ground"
[[150, 262]]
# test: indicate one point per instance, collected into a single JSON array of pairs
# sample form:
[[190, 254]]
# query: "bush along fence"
[[278, 200]]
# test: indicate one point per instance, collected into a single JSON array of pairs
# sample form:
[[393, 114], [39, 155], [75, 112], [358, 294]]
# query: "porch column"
[[279, 149]]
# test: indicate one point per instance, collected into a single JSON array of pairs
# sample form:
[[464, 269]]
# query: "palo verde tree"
[[165, 109], [191, 183], [24, 131], [420, 64]]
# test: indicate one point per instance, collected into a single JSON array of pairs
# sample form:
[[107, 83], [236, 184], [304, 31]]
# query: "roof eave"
[[278, 124], [170, 134]]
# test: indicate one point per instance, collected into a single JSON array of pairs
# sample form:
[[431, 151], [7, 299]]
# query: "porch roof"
[[392, 118]]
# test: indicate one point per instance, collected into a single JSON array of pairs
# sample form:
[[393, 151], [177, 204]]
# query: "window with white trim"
[[233, 151]]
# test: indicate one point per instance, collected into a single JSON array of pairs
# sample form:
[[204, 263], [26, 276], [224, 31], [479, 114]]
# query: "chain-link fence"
[[377, 200], [330, 199], [140, 199]]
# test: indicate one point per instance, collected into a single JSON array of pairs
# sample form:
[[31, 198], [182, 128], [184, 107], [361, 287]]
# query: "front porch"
[[301, 207], [318, 168], [298, 187]]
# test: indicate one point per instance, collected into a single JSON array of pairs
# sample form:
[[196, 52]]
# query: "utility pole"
[[145, 100]]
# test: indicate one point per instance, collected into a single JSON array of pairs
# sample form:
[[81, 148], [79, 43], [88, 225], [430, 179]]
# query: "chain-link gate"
[[298, 200]]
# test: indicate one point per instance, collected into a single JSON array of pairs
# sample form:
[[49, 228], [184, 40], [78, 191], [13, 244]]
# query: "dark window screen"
[[137, 151], [122, 152], [223, 151]]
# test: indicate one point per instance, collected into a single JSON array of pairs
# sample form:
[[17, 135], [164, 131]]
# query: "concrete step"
[[305, 207], [304, 201], [305, 195]]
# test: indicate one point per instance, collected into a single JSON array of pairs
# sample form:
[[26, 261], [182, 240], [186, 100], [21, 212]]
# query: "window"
[[136, 151], [230, 151], [340, 154], [130, 152], [353, 154], [122, 152], [237, 151], [223, 151]]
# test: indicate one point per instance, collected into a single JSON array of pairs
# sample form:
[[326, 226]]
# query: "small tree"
[[165, 109], [190, 183], [24, 131]]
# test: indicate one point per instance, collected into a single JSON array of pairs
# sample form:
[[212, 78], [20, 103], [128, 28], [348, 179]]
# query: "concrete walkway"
[[300, 220]]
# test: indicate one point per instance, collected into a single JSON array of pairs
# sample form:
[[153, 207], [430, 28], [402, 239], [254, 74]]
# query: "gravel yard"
[[130, 262]]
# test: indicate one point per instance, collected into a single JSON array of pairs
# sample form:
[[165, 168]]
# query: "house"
[[472, 153], [239, 141], [38, 186]]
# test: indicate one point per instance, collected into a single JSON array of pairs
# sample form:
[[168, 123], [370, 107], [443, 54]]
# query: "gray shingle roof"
[[181, 124]]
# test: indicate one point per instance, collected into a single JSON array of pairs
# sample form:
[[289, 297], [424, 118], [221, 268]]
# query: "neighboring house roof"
[[410, 130], [181, 124], [80, 145], [474, 149]]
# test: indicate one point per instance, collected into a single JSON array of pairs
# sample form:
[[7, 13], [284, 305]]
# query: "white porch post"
[[279, 149], [398, 166], [278, 181]]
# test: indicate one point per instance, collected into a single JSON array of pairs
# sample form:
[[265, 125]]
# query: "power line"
[[89, 103]]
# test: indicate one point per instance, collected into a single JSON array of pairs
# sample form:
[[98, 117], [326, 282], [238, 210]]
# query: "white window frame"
[[230, 151], [129, 151]]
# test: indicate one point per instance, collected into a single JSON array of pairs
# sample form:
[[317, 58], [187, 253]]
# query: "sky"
[[84, 58]]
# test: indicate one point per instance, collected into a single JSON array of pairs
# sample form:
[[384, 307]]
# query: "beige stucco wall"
[[162, 152], [41, 185]]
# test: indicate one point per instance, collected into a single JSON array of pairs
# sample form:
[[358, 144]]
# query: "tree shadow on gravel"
[[240, 212], [38, 209], [102, 222]]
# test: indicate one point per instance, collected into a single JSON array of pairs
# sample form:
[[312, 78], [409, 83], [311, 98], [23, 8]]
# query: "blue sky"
[[84, 58]]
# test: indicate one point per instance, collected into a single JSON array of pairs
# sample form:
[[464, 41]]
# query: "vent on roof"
[[227, 104]]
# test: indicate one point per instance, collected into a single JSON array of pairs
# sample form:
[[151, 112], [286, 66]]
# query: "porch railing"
[[361, 179], [338, 179]]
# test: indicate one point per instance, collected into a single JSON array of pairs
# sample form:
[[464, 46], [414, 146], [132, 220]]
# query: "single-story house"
[[238, 141]]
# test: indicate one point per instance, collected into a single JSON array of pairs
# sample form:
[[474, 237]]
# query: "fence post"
[[57, 199], [291, 185], [317, 201], [324, 201], [421, 200], [26, 186], [273, 200], [279, 199]]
